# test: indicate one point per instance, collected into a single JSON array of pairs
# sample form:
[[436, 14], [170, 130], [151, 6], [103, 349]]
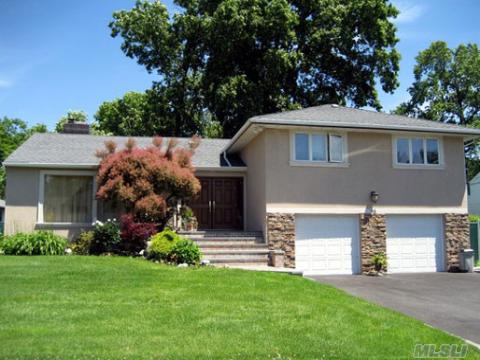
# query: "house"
[[474, 195], [327, 187], [2, 214]]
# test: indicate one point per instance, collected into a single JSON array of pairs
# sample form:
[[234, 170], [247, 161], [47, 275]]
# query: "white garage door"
[[414, 243], [327, 244]]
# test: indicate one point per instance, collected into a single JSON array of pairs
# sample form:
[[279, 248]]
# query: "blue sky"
[[57, 55]]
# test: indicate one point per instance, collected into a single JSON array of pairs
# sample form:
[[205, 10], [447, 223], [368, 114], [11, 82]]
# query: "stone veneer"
[[373, 239], [457, 237], [281, 235]]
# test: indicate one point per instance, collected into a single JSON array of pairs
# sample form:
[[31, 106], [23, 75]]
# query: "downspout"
[[226, 159]]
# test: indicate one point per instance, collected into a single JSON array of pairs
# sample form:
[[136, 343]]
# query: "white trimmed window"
[[417, 151], [67, 198], [318, 147]]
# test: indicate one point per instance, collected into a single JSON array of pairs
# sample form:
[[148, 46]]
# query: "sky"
[[58, 55]]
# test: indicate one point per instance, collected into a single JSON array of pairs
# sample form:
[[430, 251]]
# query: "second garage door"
[[327, 244], [414, 243]]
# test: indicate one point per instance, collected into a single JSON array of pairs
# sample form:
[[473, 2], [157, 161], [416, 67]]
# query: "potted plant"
[[380, 262], [189, 221]]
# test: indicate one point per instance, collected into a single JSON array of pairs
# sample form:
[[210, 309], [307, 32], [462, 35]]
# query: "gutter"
[[51, 165], [469, 134]]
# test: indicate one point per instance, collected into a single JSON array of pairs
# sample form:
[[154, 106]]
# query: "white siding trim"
[[363, 209]]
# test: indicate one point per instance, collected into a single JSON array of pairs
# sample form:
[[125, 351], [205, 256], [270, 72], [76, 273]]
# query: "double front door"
[[219, 204]]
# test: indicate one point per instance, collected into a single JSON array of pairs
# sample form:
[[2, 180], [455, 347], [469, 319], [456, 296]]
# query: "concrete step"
[[236, 255], [233, 243], [208, 245], [239, 262], [221, 234]]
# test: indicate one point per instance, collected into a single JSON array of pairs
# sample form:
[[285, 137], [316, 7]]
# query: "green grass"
[[112, 308]]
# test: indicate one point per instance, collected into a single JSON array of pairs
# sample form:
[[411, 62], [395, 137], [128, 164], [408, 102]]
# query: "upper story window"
[[318, 147], [67, 199], [417, 151]]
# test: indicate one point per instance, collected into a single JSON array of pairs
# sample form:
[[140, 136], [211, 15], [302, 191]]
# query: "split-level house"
[[324, 188]]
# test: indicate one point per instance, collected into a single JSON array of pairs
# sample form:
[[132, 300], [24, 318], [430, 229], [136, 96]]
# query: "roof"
[[52, 149], [335, 116], [2, 203]]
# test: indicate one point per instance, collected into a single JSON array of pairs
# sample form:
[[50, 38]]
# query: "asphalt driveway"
[[447, 301]]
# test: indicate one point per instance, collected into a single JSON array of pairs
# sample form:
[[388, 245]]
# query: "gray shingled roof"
[[63, 149], [339, 116]]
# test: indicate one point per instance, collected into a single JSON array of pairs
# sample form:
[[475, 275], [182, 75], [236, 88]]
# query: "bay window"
[[318, 147], [417, 151], [67, 198]]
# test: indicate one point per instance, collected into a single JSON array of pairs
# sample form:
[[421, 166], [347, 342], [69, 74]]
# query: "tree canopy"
[[447, 89], [446, 86], [232, 59], [13, 132], [138, 114]]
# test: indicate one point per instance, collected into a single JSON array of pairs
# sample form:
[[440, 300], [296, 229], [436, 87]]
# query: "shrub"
[[135, 235], [380, 261], [474, 218], [162, 244], [36, 243], [185, 251], [106, 237], [83, 243], [149, 181]]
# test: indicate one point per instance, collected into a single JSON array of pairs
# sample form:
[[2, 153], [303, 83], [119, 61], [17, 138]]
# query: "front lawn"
[[111, 308]]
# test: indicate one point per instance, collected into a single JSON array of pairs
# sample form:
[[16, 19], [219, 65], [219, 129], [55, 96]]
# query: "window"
[[68, 199], [319, 147], [417, 151]]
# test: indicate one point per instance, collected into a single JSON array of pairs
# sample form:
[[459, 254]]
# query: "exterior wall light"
[[374, 196]]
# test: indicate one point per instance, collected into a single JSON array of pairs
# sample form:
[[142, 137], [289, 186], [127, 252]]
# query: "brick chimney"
[[74, 127]]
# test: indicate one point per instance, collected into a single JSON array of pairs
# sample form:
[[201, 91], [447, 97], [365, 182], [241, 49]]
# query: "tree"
[[76, 115], [239, 58], [138, 114], [150, 181], [13, 132], [447, 89]]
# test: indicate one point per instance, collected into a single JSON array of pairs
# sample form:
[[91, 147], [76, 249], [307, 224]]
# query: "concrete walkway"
[[447, 301]]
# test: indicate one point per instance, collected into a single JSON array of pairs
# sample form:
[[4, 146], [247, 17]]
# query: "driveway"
[[447, 301]]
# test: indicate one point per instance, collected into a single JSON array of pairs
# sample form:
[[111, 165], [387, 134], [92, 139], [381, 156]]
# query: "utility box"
[[466, 260]]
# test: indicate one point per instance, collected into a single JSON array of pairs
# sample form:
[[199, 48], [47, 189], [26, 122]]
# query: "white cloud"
[[408, 12]]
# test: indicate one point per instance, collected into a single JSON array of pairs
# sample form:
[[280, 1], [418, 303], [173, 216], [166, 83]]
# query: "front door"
[[219, 204]]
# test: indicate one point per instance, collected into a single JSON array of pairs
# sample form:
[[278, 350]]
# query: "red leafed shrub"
[[135, 235], [148, 181]]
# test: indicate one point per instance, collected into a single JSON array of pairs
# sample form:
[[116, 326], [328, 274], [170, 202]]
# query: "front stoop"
[[231, 247]]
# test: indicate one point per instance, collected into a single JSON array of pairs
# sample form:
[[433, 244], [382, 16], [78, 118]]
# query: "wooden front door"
[[219, 204]]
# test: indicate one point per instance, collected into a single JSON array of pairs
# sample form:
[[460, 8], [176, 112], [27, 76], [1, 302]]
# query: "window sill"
[[419, 167], [63, 225], [319, 164]]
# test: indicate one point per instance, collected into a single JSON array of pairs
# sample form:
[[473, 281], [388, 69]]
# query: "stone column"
[[457, 237], [373, 239], [281, 235]]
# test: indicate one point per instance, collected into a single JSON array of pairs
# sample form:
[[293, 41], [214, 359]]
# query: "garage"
[[414, 243], [327, 244]]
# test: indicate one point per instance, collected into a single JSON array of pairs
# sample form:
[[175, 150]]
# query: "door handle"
[[209, 205], [213, 205]]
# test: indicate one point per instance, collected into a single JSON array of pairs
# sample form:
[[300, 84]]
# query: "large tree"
[[142, 114], [447, 89], [238, 58], [13, 132]]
